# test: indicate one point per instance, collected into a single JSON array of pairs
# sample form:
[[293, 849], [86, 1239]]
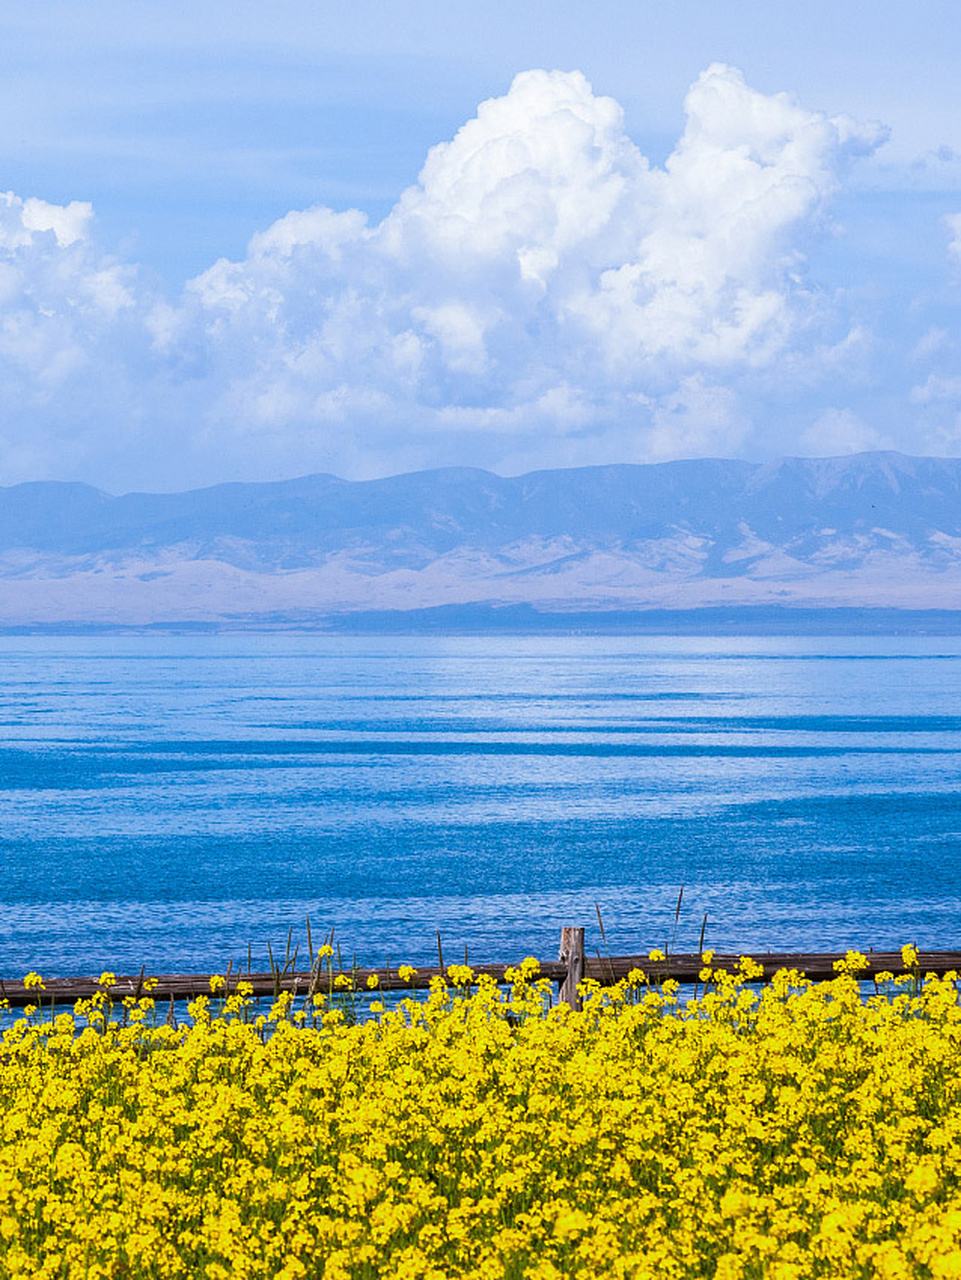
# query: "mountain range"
[[873, 530]]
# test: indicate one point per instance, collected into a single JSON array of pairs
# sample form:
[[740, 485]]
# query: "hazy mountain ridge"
[[867, 530]]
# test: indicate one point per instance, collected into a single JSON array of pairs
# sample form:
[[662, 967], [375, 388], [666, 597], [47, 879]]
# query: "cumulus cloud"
[[839, 431], [65, 341], [541, 291], [699, 419]]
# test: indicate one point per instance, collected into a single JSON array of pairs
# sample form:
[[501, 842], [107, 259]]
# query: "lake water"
[[169, 800]]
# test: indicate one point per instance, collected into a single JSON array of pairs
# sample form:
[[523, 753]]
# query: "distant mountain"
[[872, 530]]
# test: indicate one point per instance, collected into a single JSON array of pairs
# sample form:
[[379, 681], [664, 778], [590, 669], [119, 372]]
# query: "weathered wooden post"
[[571, 954]]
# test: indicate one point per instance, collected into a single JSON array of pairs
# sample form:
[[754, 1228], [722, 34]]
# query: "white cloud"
[[716, 276], [932, 343], [542, 291], [953, 223], [840, 431], [697, 420], [937, 389], [68, 223], [57, 288], [539, 249], [22, 222], [70, 323]]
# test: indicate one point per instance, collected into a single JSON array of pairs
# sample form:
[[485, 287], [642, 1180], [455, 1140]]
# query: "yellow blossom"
[[785, 1131]]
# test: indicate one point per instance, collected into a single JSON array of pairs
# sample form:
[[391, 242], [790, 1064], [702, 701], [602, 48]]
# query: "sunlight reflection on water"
[[169, 799]]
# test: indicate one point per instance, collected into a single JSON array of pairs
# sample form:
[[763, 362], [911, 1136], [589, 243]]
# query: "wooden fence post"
[[571, 954]]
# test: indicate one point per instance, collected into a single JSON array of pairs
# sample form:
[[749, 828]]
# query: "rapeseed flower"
[[788, 1131]]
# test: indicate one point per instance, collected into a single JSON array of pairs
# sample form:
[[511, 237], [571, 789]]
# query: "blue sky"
[[228, 250]]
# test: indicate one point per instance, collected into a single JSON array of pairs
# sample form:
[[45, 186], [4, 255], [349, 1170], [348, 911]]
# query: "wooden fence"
[[567, 971]]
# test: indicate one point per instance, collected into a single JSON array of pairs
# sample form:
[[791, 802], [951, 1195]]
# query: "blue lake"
[[168, 800]]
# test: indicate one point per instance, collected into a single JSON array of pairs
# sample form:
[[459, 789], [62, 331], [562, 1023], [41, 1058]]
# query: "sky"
[[249, 241]]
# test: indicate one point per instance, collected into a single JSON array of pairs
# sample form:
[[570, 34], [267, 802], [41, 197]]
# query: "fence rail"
[[574, 963]]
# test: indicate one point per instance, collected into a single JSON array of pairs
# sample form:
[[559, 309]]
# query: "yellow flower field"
[[786, 1132]]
